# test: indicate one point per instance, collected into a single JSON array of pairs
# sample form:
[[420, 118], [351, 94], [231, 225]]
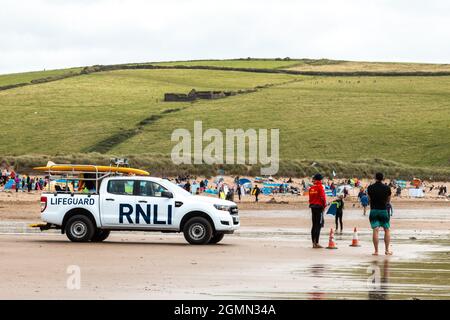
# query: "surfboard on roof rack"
[[91, 168]]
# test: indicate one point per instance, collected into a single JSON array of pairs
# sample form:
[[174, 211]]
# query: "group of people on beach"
[[21, 182], [378, 197]]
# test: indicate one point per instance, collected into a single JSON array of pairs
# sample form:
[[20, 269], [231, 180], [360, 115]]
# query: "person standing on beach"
[[398, 191], [339, 212], [28, 183], [379, 197], [364, 200], [17, 183], [345, 192], [187, 186], [256, 191], [317, 203]]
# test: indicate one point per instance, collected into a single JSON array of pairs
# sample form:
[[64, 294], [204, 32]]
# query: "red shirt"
[[317, 194]]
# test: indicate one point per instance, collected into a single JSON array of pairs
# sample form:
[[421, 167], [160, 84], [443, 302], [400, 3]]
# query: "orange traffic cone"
[[331, 243], [355, 241]]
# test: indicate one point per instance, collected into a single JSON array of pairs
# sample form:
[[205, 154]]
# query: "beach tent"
[[271, 186], [245, 184], [211, 191], [340, 189], [416, 193], [401, 183], [244, 181], [10, 184]]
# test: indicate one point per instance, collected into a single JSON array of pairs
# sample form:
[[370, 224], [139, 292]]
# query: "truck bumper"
[[43, 226]]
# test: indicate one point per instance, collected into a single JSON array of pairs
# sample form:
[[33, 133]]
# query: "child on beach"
[[339, 212], [364, 202]]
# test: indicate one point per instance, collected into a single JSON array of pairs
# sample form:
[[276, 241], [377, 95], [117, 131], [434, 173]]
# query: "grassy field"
[[342, 119], [401, 119], [319, 65], [71, 115], [26, 77], [236, 63], [351, 66]]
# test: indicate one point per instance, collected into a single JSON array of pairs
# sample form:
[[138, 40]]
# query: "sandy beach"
[[269, 257]]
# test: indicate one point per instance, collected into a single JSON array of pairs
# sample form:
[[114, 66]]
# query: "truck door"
[[155, 210], [137, 203], [117, 203]]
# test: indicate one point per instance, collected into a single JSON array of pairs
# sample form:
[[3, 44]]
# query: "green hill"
[[27, 77], [341, 122], [315, 65]]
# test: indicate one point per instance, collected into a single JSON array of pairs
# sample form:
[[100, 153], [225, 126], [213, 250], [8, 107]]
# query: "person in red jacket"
[[317, 203]]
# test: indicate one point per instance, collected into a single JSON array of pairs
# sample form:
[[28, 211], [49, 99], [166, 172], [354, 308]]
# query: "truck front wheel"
[[79, 228], [198, 230]]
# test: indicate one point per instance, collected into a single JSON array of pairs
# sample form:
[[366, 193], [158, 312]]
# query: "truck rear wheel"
[[79, 228], [198, 230], [216, 238], [100, 235]]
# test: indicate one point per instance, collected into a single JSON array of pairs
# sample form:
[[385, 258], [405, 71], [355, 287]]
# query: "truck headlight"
[[222, 207]]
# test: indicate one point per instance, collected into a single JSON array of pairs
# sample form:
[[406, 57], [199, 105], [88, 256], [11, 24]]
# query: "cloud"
[[37, 34]]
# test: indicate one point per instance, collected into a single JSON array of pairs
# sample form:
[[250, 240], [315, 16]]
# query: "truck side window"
[[122, 187], [150, 189], [157, 189], [145, 189]]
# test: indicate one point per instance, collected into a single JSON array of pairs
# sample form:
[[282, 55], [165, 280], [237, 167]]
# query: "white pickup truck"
[[138, 203]]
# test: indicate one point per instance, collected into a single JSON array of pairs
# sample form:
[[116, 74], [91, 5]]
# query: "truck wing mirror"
[[167, 194]]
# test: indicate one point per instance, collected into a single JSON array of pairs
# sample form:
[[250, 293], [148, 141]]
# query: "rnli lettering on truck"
[[126, 210]]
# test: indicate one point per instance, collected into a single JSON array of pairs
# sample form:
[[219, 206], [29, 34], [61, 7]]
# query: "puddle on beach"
[[383, 278]]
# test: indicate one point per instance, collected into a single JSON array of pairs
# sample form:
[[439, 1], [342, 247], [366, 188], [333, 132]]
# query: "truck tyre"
[[198, 230], [100, 235], [79, 228], [216, 238]]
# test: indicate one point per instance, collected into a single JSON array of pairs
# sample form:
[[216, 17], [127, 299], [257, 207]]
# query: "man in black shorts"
[[379, 197]]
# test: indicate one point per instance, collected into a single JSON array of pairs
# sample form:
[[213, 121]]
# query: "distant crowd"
[[9, 179], [335, 187]]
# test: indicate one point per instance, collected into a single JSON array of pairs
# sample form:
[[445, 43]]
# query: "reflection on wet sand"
[[378, 282], [317, 271], [384, 278]]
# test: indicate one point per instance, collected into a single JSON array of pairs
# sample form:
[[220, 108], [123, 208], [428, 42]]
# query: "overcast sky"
[[38, 34]]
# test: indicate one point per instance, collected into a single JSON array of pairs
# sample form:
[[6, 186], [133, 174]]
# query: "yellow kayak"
[[92, 168]]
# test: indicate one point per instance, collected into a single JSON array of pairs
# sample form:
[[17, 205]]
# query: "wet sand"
[[140, 266], [269, 257]]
